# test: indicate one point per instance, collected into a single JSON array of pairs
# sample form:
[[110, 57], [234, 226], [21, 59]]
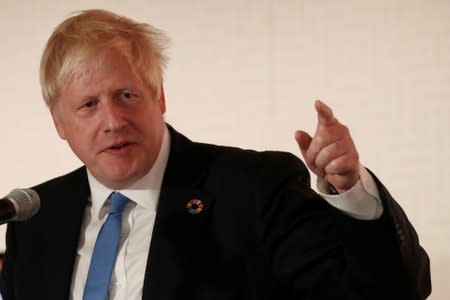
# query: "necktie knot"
[[118, 203]]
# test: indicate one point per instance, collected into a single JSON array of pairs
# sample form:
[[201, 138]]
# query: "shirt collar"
[[144, 192]]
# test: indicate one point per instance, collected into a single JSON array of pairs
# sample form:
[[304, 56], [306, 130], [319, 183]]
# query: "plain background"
[[247, 72]]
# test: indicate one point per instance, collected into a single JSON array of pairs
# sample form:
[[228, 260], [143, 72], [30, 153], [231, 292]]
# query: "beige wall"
[[246, 73]]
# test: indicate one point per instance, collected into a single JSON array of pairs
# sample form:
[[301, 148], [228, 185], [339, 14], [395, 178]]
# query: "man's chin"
[[119, 173], [117, 179]]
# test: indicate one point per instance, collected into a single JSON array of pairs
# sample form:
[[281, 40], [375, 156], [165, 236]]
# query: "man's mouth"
[[117, 147]]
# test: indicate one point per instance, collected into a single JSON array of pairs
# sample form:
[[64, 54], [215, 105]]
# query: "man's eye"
[[126, 95], [88, 104]]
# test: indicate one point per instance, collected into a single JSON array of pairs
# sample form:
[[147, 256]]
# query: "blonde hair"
[[78, 44]]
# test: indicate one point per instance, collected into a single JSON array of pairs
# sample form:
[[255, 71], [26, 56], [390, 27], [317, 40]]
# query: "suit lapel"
[[178, 231], [67, 216]]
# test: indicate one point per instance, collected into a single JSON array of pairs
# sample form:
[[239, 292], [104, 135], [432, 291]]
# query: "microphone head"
[[26, 203]]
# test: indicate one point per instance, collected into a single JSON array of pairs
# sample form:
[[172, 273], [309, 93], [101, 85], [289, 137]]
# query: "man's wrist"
[[362, 201]]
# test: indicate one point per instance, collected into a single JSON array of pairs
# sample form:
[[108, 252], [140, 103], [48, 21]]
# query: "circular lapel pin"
[[194, 206]]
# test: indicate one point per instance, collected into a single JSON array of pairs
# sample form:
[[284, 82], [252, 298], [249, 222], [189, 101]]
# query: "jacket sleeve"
[[318, 252], [414, 257]]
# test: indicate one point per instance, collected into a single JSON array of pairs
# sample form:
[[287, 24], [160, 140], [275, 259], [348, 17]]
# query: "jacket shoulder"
[[63, 182], [253, 163]]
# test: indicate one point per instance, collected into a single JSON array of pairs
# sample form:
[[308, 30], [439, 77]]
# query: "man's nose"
[[113, 117]]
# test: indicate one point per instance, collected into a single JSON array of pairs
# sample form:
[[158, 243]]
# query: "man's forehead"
[[110, 75]]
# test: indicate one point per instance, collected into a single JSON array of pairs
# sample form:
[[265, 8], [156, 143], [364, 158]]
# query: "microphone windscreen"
[[26, 202]]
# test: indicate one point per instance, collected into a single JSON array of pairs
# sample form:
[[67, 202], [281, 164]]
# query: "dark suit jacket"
[[263, 234]]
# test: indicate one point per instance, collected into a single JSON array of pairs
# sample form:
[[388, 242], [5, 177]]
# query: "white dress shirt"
[[362, 202], [137, 227]]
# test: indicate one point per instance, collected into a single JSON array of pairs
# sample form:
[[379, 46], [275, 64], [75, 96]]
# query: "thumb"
[[303, 140]]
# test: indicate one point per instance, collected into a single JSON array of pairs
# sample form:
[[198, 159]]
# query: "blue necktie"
[[105, 251]]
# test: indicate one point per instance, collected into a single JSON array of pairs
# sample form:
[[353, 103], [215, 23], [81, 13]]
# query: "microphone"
[[19, 205]]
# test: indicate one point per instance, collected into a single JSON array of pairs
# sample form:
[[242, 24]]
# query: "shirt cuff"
[[362, 201]]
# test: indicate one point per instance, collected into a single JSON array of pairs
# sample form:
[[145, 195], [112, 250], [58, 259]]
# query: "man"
[[199, 221]]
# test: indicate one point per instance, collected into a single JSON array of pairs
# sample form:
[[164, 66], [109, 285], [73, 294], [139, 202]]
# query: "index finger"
[[324, 114]]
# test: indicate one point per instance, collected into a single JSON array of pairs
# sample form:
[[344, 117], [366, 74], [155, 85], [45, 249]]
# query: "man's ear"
[[57, 121], [162, 101]]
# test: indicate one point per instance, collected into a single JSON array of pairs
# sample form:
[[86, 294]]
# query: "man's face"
[[111, 122]]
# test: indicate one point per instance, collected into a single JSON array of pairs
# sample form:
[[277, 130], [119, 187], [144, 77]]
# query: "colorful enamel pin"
[[194, 206]]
